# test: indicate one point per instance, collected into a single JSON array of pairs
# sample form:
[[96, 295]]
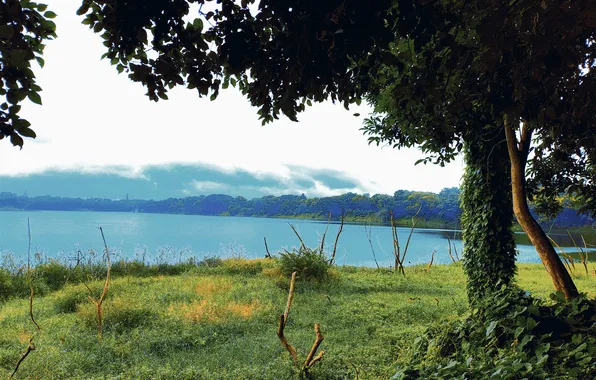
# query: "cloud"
[[111, 127], [208, 186]]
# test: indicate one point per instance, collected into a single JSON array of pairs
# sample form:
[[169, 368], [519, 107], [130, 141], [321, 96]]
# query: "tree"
[[502, 64], [24, 28]]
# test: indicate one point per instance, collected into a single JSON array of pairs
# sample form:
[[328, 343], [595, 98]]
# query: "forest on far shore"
[[436, 210]]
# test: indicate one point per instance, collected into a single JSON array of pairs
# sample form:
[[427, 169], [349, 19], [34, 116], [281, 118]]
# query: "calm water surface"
[[59, 234]]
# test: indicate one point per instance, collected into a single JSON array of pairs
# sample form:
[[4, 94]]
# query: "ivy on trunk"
[[487, 215]]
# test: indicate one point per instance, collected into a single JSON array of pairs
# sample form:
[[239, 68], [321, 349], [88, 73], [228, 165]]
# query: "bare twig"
[[414, 221], [369, 235], [31, 346], [99, 302], [449, 250], [341, 227], [432, 260], [322, 248], [310, 358], [267, 249], [396, 247], [283, 319], [302, 245]]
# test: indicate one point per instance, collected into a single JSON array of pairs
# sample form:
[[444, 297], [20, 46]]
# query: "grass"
[[220, 322]]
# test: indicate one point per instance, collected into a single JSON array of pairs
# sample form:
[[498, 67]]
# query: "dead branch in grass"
[[341, 228], [302, 245], [322, 248], [432, 260], [311, 359], [368, 236], [400, 258], [31, 346], [283, 319], [99, 302], [268, 255], [449, 249]]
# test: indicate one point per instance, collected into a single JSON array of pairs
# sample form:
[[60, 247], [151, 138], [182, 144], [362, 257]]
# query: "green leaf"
[[198, 24], [6, 32], [42, 7], [21, 123], [18, 55], [83, 9], [491, 327], [34, 97], [49, 14], [27, 132], [16, 140]]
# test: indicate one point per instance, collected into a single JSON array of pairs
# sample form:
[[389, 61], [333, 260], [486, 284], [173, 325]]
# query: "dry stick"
[[31, 346], [309, 362], [284, 318], [449, 251], [403, 258], [396, 247], [322, 249], [267, 248], [341, 227], [432, 259], [98, 303], [368, 235], [302, 245]]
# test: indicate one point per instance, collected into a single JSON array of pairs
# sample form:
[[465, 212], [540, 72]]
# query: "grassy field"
[[221, 322]]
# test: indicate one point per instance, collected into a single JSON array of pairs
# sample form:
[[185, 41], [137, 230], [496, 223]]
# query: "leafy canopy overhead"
[[24, 26]]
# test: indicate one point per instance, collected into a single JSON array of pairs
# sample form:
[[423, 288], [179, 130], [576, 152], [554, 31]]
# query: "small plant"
[[308, 263]]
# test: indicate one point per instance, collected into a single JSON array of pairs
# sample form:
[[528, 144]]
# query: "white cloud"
[[208, 186], [93, 118]]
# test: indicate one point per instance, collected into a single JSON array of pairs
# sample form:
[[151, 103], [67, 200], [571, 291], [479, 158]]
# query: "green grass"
[[221, 322]]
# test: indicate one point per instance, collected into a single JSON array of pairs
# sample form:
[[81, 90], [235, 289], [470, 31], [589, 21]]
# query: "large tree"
[[503, 64]]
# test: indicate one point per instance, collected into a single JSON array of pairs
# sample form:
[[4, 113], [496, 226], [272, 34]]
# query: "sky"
[[96, 125]]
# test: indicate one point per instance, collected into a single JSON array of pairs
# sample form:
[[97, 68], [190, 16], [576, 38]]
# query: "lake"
[[170, 238]]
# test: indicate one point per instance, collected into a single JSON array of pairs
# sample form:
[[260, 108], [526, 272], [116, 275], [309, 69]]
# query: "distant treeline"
[[436, 210]]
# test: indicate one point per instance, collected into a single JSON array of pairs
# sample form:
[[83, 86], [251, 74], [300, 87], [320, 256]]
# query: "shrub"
[[308, 263], [69, 301], [514, 336], [5, 284], [53, 273]]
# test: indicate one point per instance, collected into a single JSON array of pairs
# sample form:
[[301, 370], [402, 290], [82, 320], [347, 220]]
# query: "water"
[[169, 238]]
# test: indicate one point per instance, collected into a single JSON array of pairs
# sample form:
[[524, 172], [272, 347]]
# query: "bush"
[[514, 336], [53, 273], [308, 263]]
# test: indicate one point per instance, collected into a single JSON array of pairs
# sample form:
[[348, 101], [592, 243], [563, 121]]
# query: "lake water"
[[169, 238]]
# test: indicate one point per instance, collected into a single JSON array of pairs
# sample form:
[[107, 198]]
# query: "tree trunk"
[[487, 214], [518, 156]]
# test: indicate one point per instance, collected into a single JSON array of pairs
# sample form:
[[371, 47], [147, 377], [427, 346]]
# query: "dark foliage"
[[515, 337]]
